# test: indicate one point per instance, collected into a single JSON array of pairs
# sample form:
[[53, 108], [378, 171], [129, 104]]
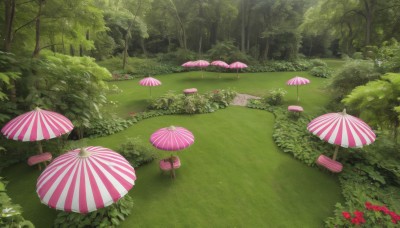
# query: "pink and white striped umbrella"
[[201, 64], [172, 138], [37, 125], [149, 81], [188, 64], [298, 81], [220, 63], [342, 129], [84, 180], [237, 66]]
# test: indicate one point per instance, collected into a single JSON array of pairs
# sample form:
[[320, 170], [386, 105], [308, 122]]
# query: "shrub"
[[275, 96], [107, 126], [351, 75], [279, 66], [321, 71], [194, 103], [358, 55], [136, 152], [318, 62], [110, 216], [10, 213], [228, 52]]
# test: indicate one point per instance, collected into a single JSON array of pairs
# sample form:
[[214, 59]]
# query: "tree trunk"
[[36, 51], [142, 44], [369, 11], [266, 49], [242, 29], [125, 52], [9, 22], [8, 33], [200, 44], [71, 50]]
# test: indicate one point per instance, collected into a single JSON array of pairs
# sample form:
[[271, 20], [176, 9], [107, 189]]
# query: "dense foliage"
[[137, 152], [351, 75], [110, 216], [379, 96], [194, 103], [10, 213]]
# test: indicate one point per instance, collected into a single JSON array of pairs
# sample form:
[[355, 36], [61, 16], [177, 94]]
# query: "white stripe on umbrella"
[[342, 129], [82, 183], [37, 125], [172, 138]]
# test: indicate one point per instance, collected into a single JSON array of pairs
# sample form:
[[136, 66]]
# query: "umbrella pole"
[[335, 153], [201, 69], [237, 73], [40, 147], [150, 92], [298, 99], [171, 160]]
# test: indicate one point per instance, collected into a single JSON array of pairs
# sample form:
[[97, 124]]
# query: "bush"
[[321, 72], [107, 126], [194, 103], [279, 66], [275, 97], [358, 55], [137, 67], [351, 75], [318, 62], [110, 216], [228, 52], [137, 152], [10, 213]]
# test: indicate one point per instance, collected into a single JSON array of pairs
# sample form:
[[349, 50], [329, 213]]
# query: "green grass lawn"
[[135, 98], [233, 175]]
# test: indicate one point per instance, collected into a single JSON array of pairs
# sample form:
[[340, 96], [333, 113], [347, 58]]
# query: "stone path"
[[241, 99]]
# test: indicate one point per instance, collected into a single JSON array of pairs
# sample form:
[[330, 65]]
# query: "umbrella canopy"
[[37, 125], [188, 64], [298, 81], [220, 63], [172, 138], [342, 129], [201, 63], [84, 180], [237, 66], [149, 81]]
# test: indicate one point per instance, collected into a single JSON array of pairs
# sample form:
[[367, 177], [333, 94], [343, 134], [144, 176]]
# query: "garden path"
[[241, 99]]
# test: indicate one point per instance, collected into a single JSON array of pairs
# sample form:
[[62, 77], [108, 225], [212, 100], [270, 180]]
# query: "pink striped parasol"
[[149, 81], [201, 64], [342, 129], [220, 63], [188, 64], [237, 66], [84, 180], [37, 125], [172, 139], [298, 81]]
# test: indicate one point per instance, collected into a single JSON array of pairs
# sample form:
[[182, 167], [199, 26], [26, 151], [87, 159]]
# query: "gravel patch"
[[241, 99]]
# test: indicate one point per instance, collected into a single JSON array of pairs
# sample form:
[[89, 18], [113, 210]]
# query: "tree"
[[378, 102]]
